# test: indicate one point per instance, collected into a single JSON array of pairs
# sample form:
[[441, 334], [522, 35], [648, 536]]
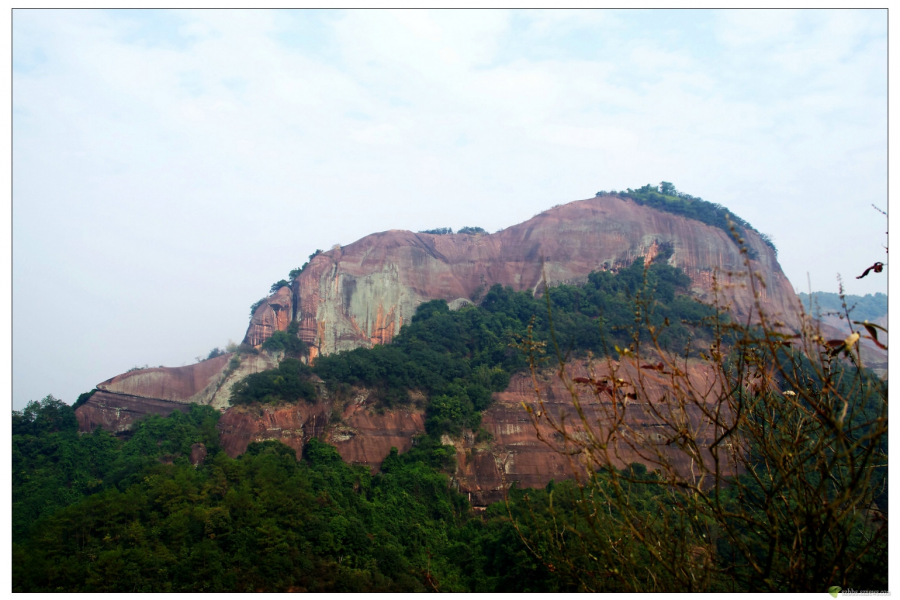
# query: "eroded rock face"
[[362, 435], [126, 398], [193, 383], [361, 294], [118, 412], [517, 454], [366, 437], [198, 454], [272, 315], [293, 424]]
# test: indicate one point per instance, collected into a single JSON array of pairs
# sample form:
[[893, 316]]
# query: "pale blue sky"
[[169, 166]]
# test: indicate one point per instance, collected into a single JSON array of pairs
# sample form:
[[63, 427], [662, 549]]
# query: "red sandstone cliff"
[[129, 397], [275, 314], [361, 294]]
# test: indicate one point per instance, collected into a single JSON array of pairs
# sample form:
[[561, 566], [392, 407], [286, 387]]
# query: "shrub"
[[288, 383], [472, 230], [278, 285], [83, 398], [47, 416], [256, 305]]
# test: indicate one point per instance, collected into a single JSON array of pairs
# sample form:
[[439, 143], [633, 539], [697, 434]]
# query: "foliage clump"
[[278, 285], [290, 382], [287, 341], [256, 305], [472, 230], [215, 353]]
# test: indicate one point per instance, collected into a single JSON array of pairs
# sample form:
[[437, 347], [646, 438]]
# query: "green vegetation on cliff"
[[458, 358], [287, 383]]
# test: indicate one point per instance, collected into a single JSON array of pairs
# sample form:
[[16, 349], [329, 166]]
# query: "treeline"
[[95, 514]]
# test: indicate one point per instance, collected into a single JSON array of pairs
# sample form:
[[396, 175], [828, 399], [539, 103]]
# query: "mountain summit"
[[361, 294]]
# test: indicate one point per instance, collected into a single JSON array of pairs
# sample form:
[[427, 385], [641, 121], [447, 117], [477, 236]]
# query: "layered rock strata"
[[484, 470], [126, 398]]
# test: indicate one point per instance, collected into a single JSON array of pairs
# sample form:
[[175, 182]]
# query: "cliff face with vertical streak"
[[272, 315], [361, 294]]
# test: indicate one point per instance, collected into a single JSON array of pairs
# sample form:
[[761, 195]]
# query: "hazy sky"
[[169, 166]]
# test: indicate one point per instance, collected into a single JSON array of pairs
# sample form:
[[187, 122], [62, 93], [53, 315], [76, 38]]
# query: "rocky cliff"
[[364, 435], [362, 293], [129, 397]]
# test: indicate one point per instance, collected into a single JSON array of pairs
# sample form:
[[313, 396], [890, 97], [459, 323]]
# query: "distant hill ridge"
[[869, 307]]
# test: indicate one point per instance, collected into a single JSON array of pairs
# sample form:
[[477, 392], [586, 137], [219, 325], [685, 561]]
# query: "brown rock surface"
[[361, 294], [198, 454], [207, 382], [363, 436], [272, 315], [193, 383], [293, 424], [516, 453], [366, 437], [117, 412]]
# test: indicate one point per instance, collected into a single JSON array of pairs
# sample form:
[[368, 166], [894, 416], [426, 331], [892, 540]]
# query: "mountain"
[[360, 295]]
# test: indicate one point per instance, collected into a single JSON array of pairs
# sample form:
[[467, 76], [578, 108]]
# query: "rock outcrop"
[[293, 424], [361, 294], [126, 398], [364, 436], [274, 314], [515, 454]]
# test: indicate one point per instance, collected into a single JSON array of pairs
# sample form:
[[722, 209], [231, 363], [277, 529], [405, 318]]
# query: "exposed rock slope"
[[361, 294], [129, 397]]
